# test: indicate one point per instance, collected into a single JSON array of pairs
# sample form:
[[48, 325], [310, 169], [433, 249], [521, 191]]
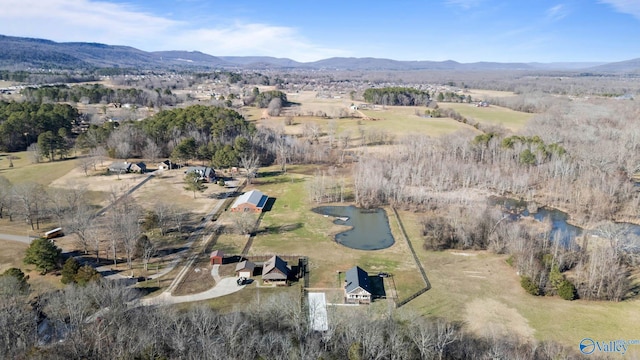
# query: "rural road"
[[19, 238]]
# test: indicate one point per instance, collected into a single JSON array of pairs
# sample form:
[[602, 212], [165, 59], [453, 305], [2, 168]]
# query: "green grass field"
[[492, 115], [23, 170], [296, 230]]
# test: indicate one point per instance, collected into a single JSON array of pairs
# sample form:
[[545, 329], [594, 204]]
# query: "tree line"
[[97, 321], [21, 123], [396, 96], [93, 94]]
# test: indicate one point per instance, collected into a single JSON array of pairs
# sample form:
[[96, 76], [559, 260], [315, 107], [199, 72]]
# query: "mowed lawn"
[[492, 115], [482, 290], [291, 228], [23, 169]]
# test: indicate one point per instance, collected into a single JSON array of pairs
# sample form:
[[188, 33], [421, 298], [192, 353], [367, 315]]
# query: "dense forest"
[[94, 94], [21, 123], [396, 96]]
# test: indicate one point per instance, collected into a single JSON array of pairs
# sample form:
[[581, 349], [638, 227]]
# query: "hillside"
[[23, 53]]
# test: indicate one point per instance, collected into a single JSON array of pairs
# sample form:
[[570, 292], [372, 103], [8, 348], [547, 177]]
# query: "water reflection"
[[370, 228]]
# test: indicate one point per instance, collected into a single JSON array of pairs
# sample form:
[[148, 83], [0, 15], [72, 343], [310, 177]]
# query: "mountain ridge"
[[22, 52]]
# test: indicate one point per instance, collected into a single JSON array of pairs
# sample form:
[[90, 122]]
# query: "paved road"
[[18, 238]]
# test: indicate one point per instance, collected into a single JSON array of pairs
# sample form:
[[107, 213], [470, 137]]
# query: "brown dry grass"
[[198, 278], [480, 288], [11, 255]]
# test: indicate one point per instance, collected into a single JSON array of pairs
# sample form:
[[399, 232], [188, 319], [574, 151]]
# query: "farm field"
[[492, 115], [394, 120], [291, 228]]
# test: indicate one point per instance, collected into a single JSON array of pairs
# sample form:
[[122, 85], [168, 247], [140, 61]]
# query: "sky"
[[309, 30]]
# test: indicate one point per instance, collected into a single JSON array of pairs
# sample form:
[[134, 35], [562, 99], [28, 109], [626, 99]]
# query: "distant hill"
[[190, 58], [23, 53], [628, 66], [267, 61]]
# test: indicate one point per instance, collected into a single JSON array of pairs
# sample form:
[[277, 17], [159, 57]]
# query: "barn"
[[251, 201]]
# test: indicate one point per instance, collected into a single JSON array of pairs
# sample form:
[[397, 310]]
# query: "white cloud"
[[557, 12], [116, 24], [631, 7], [251, 39]]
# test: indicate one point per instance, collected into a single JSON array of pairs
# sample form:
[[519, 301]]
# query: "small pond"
[[561, 230], [369, 228]]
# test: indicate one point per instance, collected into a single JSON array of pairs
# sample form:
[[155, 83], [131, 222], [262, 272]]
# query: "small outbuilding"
[[216, 257], [244, 269], [251, 201], [357, 289], [275, 271]]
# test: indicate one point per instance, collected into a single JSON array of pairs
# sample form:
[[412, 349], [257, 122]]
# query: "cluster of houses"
[[205, 173], [275, 270]]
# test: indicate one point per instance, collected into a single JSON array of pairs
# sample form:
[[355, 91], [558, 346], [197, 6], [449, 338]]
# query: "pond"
[[561, 230], [369, 228]]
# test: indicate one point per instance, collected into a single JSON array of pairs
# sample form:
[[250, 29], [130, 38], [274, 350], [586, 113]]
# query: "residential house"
[[216, 257], [167, 165], [275, 271], [357, 287], [138, 167], [120, 167], [251, 201], [205, 173], [245, 269]]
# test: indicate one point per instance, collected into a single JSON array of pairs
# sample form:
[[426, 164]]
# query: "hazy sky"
[[308, 30]]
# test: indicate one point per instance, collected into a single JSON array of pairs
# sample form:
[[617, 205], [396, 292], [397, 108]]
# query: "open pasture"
[[480, 289], [491, 115]]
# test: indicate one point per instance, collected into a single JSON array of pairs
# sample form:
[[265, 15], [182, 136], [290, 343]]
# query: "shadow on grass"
[[269, 204], [280, 229], [376, 284]]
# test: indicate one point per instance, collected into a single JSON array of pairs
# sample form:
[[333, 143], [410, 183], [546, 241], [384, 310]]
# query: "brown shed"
[[216, 257]]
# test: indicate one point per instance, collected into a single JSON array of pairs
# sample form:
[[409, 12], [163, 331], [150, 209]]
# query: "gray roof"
[[245, 265], [254, 197], [203, 171], [357, 278], [120, 166], [275, 269]]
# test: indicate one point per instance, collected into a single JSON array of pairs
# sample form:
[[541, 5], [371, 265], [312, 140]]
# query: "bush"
[[86, 274], [566, 290], [510, 261], [69, 271], [529, 285]]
